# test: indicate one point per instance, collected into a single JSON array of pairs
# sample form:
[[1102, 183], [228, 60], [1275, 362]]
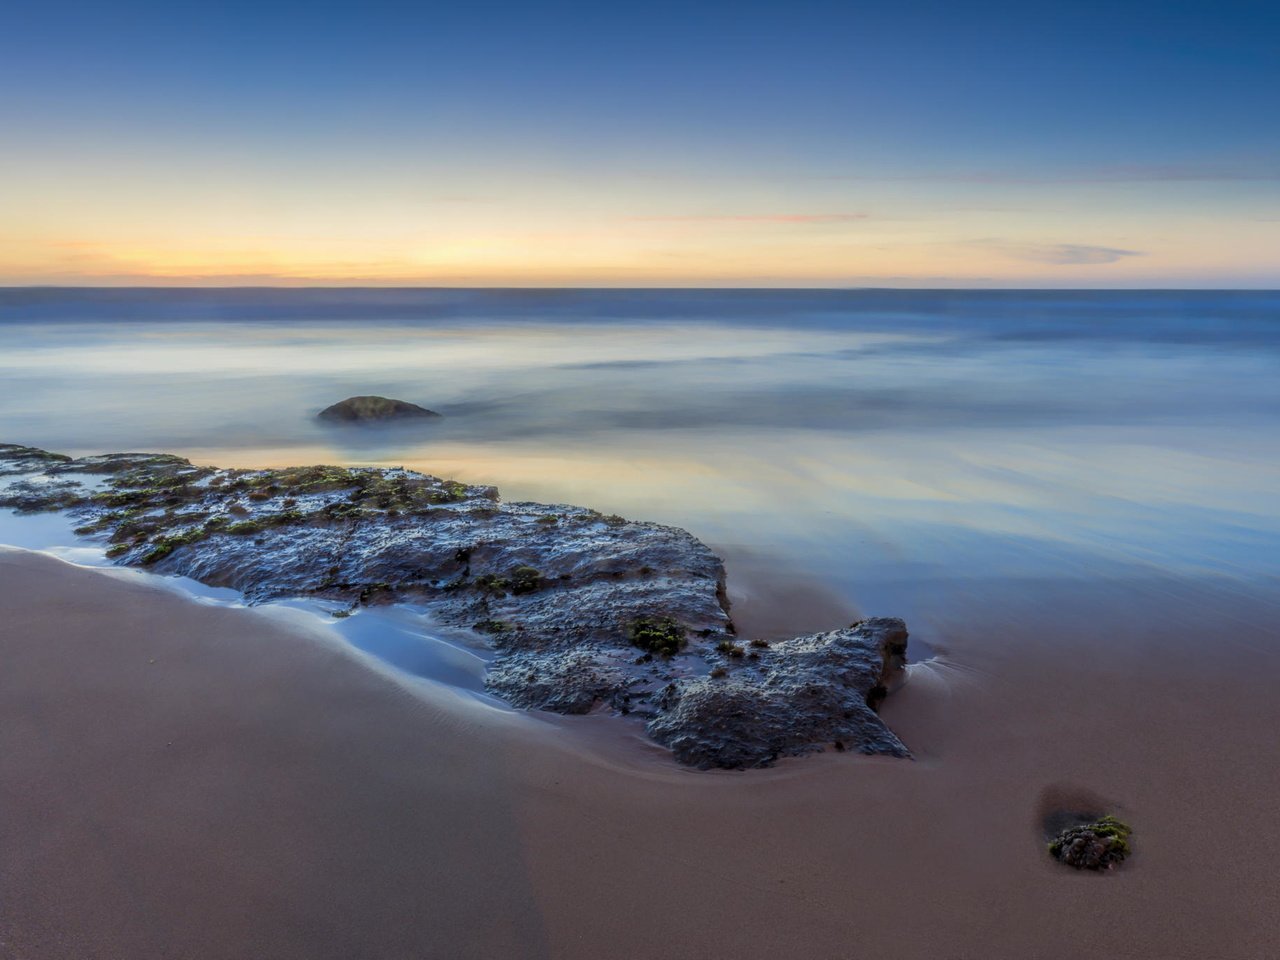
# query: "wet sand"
[[188, 781]]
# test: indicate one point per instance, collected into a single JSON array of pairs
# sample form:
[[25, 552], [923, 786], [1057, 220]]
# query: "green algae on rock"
[[661, 635], [1099, 845]]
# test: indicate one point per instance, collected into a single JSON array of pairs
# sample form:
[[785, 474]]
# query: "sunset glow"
[[661, 148]]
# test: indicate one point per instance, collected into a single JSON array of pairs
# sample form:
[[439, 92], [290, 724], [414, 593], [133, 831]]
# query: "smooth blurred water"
[[872, 451]]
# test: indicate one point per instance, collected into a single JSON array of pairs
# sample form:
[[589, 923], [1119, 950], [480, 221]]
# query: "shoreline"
[[576, 608], [254, 791]]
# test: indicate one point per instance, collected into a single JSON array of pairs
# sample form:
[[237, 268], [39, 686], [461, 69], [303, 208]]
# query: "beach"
[[1075, 514], [187, 780], [640, 481]]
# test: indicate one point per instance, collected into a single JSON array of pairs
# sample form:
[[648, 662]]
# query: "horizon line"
[[621, 288]]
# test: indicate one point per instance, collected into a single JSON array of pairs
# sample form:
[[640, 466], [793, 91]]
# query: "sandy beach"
[[184, 780], [639, 481]]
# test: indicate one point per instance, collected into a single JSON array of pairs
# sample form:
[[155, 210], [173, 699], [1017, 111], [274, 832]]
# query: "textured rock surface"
[[18, 460], [581, 608], [373, 410], [1101, 844], [792, 698]]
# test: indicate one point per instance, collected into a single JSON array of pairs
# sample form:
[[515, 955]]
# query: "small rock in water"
[[1099, 845], [373, 410]]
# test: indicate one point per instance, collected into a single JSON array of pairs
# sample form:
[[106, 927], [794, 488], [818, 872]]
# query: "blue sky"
[[831, 144]]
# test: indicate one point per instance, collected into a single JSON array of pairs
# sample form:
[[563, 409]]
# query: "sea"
[[849, 452]]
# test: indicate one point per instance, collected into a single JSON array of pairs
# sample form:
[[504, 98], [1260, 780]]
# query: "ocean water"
[[850, 452]]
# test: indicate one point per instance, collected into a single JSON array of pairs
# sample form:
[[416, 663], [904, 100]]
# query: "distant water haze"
[[879, 451]]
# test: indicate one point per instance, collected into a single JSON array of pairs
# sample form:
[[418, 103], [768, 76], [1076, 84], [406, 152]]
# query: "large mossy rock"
[[581, 609], [373, 410]]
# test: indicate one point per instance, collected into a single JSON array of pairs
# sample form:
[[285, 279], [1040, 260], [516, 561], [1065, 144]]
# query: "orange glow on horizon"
[[633, 233]]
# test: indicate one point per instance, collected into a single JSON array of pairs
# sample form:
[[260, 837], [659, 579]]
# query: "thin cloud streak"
[[1125, 173], [1057, 254], [757, 218]]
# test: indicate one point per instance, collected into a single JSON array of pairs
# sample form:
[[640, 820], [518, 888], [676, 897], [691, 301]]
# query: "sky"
[[909, 143]]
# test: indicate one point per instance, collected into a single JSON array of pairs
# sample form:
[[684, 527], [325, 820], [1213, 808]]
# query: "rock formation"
[[1101, 844], [373, 410], [581, 609]]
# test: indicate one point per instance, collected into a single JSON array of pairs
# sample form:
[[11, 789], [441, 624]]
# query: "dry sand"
[[185, 781]]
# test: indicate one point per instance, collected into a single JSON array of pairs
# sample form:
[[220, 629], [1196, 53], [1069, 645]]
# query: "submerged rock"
[[373, 410], [581, 609]]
